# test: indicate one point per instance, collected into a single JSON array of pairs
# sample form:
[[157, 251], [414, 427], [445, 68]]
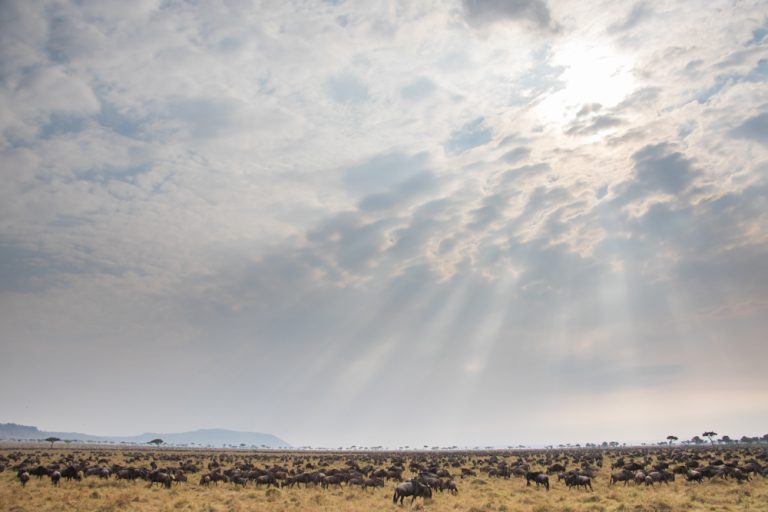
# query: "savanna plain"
[[708, 478]]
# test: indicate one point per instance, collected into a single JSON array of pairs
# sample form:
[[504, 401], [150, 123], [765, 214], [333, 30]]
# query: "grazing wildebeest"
[[71, 472], [39, 472], [575, 480], [205, 480], [639, 477], [662, 476], [412, 488], [555, 468], [623, 475], [331, 480], [373, 482], [538, 477], [694, 476], [357, 481], [740, 475], [55, 478], [450, 486], [23, 478], [159, 477]]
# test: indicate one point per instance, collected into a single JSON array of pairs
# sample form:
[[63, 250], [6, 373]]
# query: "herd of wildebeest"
[[412, 474]]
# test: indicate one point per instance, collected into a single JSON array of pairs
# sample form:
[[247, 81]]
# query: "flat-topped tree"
[[156, 442], [672, 439], [710, 435], [52, 440]]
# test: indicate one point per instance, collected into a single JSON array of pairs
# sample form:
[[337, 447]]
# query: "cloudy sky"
[[399, 223]]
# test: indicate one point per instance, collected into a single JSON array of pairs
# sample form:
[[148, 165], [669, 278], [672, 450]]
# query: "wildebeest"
[[412, 488], [623, 475], [694, 476], [39, 472], [23, 478], [575, 480], [267, 480], [159, 477], [71, 472], [55, 478], [538, 477], [662, 476], [373, 482]]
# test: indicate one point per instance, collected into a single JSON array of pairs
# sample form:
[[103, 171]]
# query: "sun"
[[594, 74]]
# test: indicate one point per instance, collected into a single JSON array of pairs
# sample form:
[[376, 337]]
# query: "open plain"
[[731, 479]]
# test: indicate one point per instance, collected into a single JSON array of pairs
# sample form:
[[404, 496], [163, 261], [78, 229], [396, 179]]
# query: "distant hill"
[[203, 437]]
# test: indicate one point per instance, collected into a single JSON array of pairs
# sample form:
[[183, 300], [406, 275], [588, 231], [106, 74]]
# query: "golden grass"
[[480, 494]]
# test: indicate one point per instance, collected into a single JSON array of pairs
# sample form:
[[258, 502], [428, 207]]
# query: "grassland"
[[476, 494]]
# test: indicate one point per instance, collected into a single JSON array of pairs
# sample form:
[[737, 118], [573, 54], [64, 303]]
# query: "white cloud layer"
[[477, 222]]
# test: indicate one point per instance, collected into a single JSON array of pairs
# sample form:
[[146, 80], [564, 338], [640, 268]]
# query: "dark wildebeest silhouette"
[[412, 488], [23, 478], [450, 486], [39, 472], [623, 475], [373, 482], [55, 478], [574, 480], [538, 477], [71, 472], [159, 477]]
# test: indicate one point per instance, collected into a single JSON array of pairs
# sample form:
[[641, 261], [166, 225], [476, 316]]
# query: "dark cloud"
[[758, 35], [484, 12], [471, 135], [491, 211], [755, 128], [595, 125], [658, 169], [590, 108], [206, 117], [419, 89], [347, 89], [515, 155], [383, 172], [403, 193], [640, 12]]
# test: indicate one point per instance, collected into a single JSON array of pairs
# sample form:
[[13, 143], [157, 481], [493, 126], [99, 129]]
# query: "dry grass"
[[475, 495]]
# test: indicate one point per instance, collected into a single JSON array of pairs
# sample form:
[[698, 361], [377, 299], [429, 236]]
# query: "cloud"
[[471, 135], [658, 169], [755, 128], [640, 11], [381, 173], [347, 89], [418, 89], [515, 155], [484, 12], [594, 125]]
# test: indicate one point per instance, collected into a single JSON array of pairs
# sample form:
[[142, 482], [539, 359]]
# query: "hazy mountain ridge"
[[214, 437]]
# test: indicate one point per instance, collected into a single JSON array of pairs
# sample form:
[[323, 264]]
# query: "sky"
[[472, 222]]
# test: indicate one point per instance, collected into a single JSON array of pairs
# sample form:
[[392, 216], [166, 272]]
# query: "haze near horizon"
[[479, 222]]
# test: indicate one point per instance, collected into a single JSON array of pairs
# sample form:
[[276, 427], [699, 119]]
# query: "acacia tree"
[[156, 442], [672, 439], [710, 435], [52, 440]]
